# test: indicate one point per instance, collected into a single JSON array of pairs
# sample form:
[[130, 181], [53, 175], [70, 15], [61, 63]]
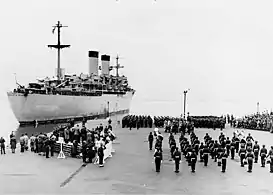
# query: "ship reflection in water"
[[47, 128]]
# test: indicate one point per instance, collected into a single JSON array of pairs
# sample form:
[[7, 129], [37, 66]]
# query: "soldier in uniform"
[[232, 149], [242, 154], [237, 144], [158, 159], [250, 157], [249, 144], [228, 142], [22, 143], [256, 149], [270, 155], [84, 151], [193, 159], [206, 155], [263, 154], [224, 161], [220, 152], [177, 159]]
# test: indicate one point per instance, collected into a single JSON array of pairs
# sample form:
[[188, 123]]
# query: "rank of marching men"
[[220, 150]]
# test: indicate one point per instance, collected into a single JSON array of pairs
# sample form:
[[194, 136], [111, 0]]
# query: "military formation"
[[137, 121], [219, 150]]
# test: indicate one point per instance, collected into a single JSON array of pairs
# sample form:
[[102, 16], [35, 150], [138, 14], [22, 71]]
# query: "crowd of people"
[[219, 149], [262, 121], [82, 142]]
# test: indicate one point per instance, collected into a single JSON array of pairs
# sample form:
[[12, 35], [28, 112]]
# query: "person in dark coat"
[[101, 155], [13, 144], [206, 155], [224, 160], [263, 154], [158, 159], [151, 140], [84, 151], [2, 145], [193, 158], [177, 159]]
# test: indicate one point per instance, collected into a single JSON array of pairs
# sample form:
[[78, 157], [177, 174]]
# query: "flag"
[[53, 30]]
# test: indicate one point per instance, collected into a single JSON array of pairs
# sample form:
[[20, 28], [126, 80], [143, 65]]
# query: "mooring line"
[[72, 175]]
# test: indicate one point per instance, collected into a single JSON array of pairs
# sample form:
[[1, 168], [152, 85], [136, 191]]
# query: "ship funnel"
[[105, 63], [93, 62]]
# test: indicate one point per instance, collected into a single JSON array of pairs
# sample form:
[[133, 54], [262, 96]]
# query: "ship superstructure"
[[70, 96]]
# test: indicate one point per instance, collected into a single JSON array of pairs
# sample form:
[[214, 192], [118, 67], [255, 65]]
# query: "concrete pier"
[[132, 170]]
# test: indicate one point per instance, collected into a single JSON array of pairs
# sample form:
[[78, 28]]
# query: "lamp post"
[[185, 96], [108, 111]]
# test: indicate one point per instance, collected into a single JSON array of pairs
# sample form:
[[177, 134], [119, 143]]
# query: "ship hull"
[[42, 107]]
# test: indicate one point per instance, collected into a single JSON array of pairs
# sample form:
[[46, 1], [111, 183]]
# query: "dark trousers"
[[84, 157], [256, 155], [22, 148], [224, 164], [232, 153], [242, 157], [271, 165], [263, 160], [201, 156], [237, 147], [228, 150], [206, 158], [193, 163], [157, 164], [176, 165], [150, 145], [100, 159], [3, 150], [250, 164], [52, 150], [47, 151]]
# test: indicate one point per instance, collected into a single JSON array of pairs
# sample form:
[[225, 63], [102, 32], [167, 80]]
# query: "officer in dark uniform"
[[177, 159], [242, 154], [232, 149], [256, 150], [173, 146], [220, 152], [206, 155], [224, 161], [101, 155], [189, 151], [84, 151], [243, 143], [151, 140], [263, 154], [158, 158], [250, 157], [193, 159]]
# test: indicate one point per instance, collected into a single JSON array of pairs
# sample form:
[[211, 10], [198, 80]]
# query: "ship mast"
[[58, 47], [117, 67]]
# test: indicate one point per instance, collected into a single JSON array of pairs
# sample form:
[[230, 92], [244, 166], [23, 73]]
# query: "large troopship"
[[71, 96]]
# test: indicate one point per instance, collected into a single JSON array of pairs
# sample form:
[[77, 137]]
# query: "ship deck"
[[131, 170]]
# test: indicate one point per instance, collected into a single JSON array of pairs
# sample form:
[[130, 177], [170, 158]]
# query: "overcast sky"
[[221, 50]]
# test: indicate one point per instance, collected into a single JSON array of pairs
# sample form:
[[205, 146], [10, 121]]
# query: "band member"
[[224, 161], [206, 155], [232, 149], [242, 154], [158, 159], [228, 143], [177, 159], [193, 160], [220, 152], [256, 149], [201, 152], [250, 157], [263, 154], [249, 137]]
